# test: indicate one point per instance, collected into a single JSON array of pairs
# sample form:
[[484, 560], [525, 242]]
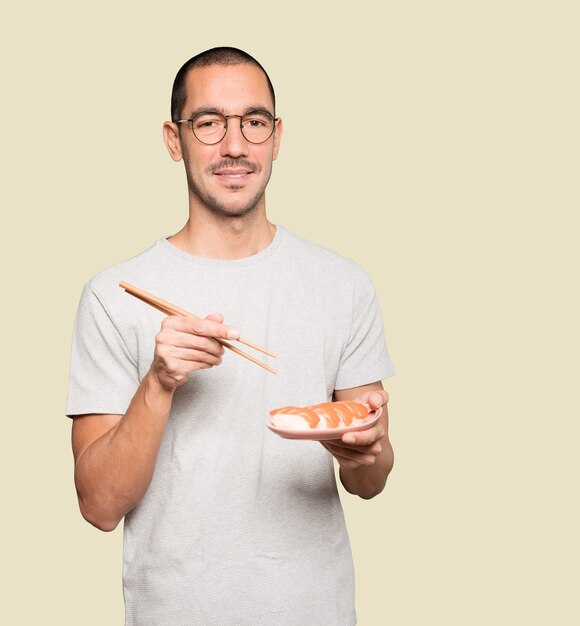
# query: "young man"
[[226, 523]]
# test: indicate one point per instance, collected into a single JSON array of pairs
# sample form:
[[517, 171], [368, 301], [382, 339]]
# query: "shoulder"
[[102, 291], [325, 270], [107, 281], [316, 258]]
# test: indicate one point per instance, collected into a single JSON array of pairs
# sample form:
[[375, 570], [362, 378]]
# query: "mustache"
[[233, 163]]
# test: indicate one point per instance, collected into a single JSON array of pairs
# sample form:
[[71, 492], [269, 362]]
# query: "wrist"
[[155, 390], [159, 381]]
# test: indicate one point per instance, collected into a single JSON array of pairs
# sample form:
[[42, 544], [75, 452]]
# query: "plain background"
[[437, 143]]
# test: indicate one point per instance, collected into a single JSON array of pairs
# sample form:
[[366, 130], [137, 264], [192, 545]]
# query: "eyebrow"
[[256, 108]]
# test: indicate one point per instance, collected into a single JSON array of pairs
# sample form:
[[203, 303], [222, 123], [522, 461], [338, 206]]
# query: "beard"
[[221, 207]]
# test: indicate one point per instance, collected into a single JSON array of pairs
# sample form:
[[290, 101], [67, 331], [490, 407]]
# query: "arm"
[[366, 457], [115, 455]]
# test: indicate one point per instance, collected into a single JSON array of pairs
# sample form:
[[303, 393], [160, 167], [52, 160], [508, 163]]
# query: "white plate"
[[324, 434]]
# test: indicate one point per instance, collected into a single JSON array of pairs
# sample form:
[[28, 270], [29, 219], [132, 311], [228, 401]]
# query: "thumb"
[[215, 317], [377, 399]]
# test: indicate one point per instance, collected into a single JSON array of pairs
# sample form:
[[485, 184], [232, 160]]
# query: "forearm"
[[367, 481], [114, 472]]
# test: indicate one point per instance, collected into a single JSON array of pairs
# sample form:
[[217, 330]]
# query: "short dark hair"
[[222, 55]]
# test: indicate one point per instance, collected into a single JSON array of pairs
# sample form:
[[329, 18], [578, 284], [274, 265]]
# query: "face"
[[228, 178]]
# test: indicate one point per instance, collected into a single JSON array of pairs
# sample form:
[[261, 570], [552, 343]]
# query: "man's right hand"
[[187, 344], [115, 455]]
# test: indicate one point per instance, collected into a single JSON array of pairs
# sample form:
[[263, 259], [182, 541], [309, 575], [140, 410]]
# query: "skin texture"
[[227, 212], [115, 455], [366, 457]]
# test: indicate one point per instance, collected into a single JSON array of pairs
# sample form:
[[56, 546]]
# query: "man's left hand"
[[361, 448]]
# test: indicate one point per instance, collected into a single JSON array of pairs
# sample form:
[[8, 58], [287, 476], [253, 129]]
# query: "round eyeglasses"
[[210, 127]]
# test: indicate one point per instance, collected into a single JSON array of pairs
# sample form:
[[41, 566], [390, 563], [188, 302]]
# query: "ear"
[[172, 140], [277, 138]]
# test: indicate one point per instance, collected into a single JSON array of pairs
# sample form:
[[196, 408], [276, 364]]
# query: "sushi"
[[320, 416]]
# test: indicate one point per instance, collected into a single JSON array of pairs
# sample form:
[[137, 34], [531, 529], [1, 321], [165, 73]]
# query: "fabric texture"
[[239, 527]]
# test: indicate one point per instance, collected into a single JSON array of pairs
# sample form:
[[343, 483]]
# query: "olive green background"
[[437, 143]]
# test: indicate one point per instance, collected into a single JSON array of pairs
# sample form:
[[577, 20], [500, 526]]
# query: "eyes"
[[207, 123], [210, 126], [254, 119]]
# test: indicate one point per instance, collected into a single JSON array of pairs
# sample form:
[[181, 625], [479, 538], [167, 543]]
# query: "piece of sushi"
[[322, 416]]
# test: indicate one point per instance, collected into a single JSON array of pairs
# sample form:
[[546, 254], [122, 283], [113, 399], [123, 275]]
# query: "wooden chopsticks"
[[171, 309]]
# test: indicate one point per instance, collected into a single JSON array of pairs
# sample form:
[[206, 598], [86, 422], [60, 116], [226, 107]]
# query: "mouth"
[[234, 175]]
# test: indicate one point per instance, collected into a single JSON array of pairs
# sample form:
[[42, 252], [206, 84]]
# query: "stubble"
[[219, 207]]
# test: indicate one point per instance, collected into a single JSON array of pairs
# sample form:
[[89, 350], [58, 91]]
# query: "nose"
[[234, 144]]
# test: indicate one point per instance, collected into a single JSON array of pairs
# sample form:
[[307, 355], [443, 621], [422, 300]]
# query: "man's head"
[[215, 56], [226, 173]]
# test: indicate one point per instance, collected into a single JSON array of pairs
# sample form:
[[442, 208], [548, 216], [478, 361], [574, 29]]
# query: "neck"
[[224, 237]]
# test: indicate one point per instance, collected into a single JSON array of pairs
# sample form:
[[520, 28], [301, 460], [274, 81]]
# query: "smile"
[[233, 175]]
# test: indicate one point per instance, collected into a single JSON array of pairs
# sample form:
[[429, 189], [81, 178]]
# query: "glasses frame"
[[227, 117]]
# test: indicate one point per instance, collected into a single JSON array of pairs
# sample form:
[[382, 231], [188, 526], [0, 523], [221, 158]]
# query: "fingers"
[[358, 448], [206, 327], [375, 448], [364, 437], [178, 339], [196, 333], [343, 461], [353, 457], [187, 344], [378, 399], [216, 317], [375, 399], [196, 356]]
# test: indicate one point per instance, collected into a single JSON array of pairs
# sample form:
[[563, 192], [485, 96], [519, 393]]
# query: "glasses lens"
[[257, 126], [209, 127]]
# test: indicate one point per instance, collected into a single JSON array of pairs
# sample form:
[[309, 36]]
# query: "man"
[[226, 523]]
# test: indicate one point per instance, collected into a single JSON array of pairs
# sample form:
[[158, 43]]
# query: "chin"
[[233, 209], [237, 212], [233, 203]]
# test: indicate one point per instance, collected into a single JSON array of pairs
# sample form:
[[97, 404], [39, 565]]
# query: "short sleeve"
[[365, 358], [103, 375]]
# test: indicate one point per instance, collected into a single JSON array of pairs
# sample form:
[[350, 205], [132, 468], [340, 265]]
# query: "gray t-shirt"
[[239, 527]]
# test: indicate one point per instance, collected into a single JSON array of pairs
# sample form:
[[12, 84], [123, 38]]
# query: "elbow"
[[372, 488], [367, 485], [370, 493], [99, 518], [104, 525], [364, 490], [100, 509]]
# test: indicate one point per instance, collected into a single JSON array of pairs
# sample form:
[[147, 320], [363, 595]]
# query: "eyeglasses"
[[210, 127]]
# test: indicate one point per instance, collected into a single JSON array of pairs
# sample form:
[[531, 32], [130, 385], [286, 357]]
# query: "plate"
[[325, 434]]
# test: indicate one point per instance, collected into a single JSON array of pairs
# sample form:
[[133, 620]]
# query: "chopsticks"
[[171, 309]]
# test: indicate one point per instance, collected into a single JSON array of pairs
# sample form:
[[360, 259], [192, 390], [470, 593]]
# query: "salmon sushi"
[[324, 415]]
